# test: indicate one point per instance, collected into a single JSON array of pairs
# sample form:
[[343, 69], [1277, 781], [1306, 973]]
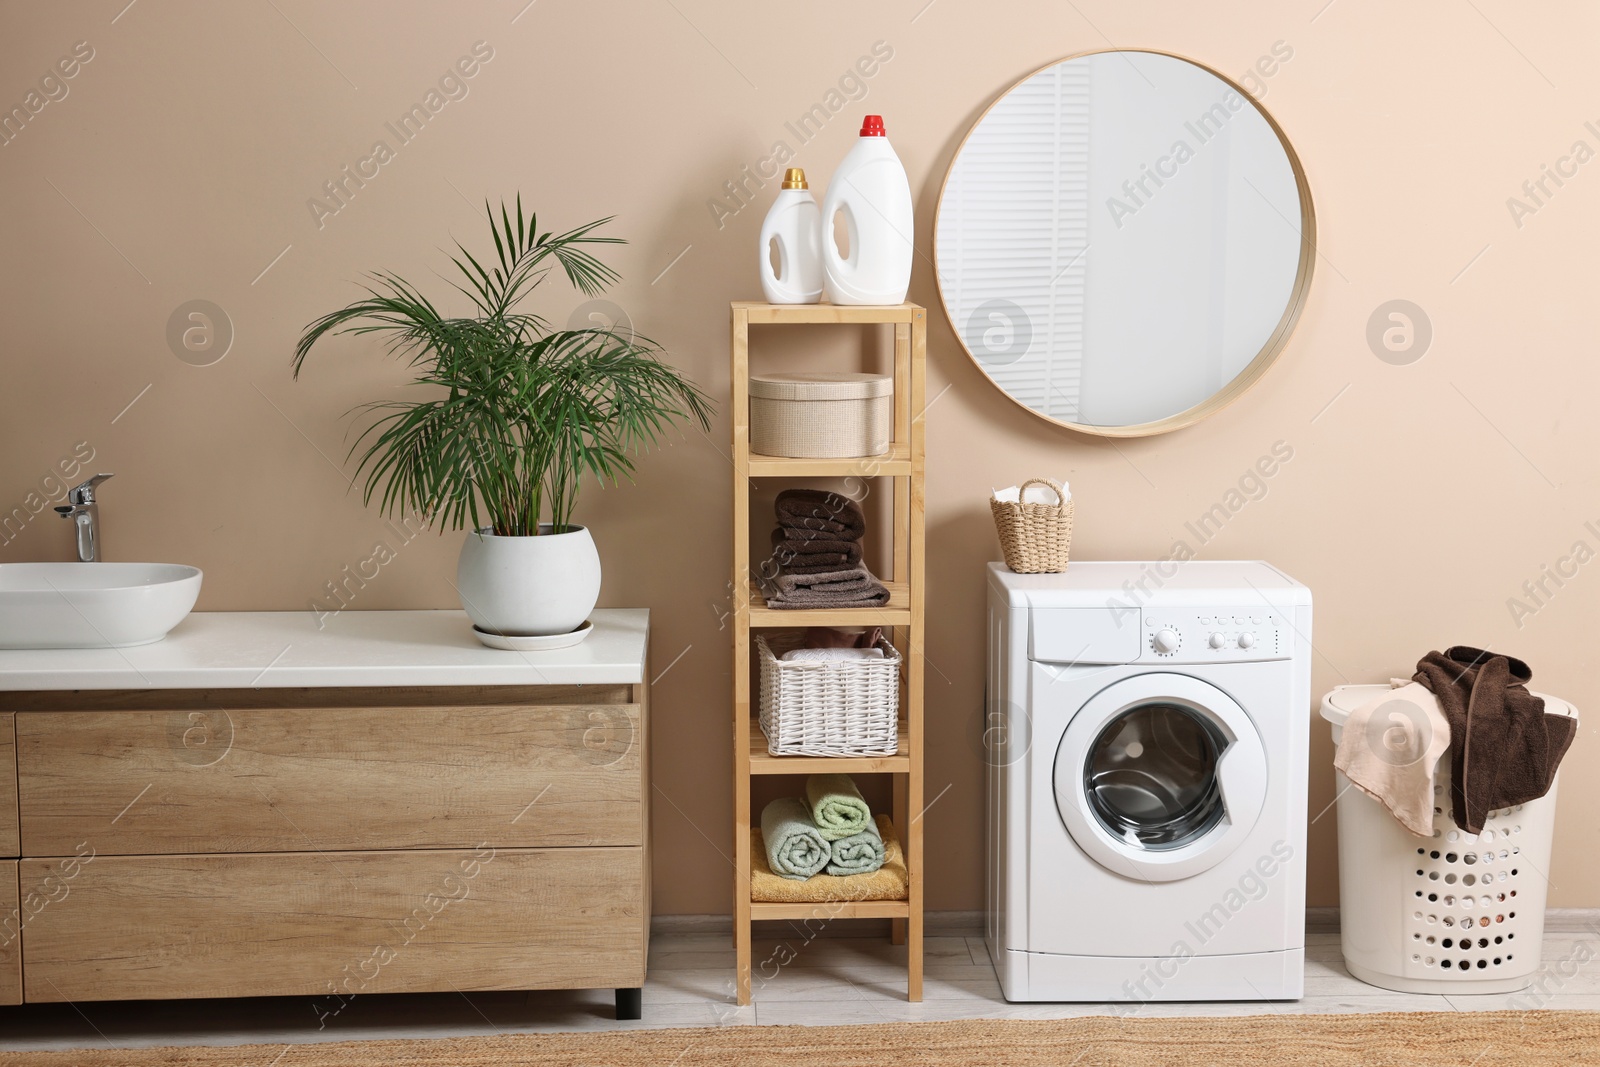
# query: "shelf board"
[[762, 312], [861, 909], [895, 613], [764, 762], [895, 463]]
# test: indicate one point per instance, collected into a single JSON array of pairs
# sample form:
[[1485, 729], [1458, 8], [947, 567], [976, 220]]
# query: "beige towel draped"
[[1389, 750]]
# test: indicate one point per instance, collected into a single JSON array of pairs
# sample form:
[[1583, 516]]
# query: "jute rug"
[[1482, 1039]]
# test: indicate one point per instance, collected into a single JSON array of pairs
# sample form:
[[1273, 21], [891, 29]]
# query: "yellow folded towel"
[[889, 882]]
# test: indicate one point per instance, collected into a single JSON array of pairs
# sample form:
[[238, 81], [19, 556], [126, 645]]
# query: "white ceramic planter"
[[529, 586]]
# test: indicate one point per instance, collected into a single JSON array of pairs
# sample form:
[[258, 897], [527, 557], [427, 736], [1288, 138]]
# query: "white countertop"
[[284, 649]]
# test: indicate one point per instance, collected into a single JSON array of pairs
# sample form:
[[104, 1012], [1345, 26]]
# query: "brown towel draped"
[[1504, 747]]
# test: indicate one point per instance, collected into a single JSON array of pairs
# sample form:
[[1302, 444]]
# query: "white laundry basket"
[[1456, 912]]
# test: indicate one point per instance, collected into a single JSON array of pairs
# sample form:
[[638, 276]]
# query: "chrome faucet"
[[85, 515]]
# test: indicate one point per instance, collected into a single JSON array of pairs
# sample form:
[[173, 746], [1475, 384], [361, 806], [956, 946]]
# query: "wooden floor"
[[829, 981]]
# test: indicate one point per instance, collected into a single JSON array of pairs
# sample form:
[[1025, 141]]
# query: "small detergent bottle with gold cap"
[[791, 244]]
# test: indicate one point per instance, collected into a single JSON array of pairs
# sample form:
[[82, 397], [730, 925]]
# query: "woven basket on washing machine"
[[1034, 538]]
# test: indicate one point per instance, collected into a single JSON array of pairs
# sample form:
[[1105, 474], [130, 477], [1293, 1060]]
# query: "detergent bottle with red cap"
[[871, 195]]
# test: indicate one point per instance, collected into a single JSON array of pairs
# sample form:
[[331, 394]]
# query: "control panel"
[[1214, 634]]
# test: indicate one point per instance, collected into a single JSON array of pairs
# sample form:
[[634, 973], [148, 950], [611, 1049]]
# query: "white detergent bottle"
[[794, 226], [872, 194]]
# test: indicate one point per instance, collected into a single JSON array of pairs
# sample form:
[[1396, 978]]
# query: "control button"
[[1165, 641], [1247, 640], [1255, 621], [1205, 620], [1218, 640]]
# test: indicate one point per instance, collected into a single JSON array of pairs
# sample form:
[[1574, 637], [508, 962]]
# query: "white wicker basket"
[[821, 708]]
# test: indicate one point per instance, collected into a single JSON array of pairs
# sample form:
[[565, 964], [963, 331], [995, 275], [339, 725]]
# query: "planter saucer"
[[534, 644]]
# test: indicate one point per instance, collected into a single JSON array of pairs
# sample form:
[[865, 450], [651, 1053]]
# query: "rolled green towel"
[[795, 848], [836, 806], [857, 854]]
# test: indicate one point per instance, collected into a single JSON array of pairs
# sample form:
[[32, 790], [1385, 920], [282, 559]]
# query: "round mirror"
[[1124, 242]]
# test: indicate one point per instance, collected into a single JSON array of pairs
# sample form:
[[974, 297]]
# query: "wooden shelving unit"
[[901, 618]]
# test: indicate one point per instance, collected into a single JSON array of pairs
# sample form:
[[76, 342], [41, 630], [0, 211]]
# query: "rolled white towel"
[[1036, 494], [832, 655]]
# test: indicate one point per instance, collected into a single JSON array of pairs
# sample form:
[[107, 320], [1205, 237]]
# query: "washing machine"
[[1146, 739]]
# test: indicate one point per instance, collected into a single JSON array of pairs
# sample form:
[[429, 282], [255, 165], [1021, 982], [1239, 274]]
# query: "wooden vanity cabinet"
[[324, 843]]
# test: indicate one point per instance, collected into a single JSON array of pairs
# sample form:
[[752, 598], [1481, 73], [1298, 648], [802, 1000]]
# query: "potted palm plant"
[[512, 417]]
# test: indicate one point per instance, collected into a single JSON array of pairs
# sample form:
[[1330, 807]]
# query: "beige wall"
[[1418, 500]]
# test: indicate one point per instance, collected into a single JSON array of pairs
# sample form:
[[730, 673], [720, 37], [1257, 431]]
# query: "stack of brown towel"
[[817, 549]]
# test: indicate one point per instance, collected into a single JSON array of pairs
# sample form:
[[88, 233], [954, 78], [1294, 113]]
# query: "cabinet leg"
[[897, 931], [630, 1003]]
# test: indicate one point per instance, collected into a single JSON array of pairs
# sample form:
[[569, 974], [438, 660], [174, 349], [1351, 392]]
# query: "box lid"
[[821, 385]]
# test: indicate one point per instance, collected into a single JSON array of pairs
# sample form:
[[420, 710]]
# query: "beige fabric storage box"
[[823, 415]]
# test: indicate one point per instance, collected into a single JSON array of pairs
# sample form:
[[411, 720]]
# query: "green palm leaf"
[[517, 415]]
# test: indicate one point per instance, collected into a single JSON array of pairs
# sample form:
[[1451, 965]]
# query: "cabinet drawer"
[[335, 925], [328, 779], [11, 923], [8, 786]]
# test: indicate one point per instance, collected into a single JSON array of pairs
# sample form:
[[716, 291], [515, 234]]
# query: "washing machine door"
[[1160, 776]]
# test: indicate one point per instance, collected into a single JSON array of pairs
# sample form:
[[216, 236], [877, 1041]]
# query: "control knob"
[[1165, 641], [1217, 640], [1247, 640]]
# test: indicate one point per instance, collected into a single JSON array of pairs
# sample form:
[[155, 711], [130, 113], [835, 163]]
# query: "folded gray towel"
[[874, 596], [849, 580], [825, 563], [854, 587], [860, 853], [803, 556], [795, 847], [799, 534], [819, 509]]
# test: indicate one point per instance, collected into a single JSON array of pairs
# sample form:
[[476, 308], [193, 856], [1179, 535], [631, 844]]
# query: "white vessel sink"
[[93, 605]]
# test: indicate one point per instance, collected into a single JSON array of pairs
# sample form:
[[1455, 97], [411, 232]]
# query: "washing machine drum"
[[1160, 777]]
